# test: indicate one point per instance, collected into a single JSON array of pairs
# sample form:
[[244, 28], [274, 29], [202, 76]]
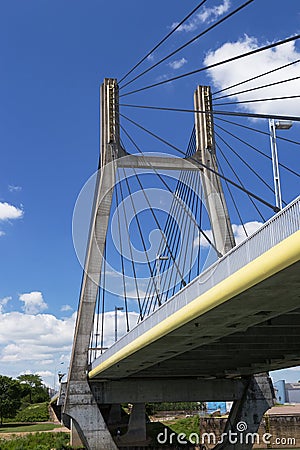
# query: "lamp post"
[[117, 308], [157, 263], [273, 126], [55, 372]]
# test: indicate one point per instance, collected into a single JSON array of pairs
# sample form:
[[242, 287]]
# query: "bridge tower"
[[80, 406], [87, 422], [258, 392], [206, 154]]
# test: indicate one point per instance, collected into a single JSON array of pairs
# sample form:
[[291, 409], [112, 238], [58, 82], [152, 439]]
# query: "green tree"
[[10, 397], [34, 388]]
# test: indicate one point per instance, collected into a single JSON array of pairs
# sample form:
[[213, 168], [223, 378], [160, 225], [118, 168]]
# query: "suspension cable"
[[214, 25], [256, 77], [182, 219], [251, 146], [163, 40], [201, 69], [240, 181], [257, 131], [258, 87], [130, 246], [259, 100], [166, 185], [122, 261], [245, 162], [169, 228], [103, 301], [215, 112], [274, 208], [139, 226], [232, 198]]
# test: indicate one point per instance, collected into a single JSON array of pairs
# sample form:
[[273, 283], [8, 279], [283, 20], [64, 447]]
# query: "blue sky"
[[54, 56]]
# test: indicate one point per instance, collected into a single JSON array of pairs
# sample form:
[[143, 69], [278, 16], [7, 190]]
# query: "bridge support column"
[[88, 427], [87, 421], [136, 427], [114, 417], [246, 414]]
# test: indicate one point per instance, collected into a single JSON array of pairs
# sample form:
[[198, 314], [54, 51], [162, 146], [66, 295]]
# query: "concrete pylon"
[[80, 405], [259, 393], [212, 188]]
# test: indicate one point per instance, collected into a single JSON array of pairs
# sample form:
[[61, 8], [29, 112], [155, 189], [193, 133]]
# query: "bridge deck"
[[240, 316]]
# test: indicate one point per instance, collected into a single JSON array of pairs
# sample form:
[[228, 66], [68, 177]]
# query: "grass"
[[188, 425], [37, 412], [21, 428], [170, 429], [38, 441]]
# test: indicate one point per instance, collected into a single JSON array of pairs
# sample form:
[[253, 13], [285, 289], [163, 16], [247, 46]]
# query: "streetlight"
[[157, 263], [117, 308], [55, 371], [273, 126]]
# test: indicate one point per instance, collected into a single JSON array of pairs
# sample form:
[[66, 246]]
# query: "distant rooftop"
[[292, 386]]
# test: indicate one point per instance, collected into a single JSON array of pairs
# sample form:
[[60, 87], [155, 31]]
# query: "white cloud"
[[34, 343], [109, 325], [178, 63], [210, 14], [238, 231], [234, 72], [66, 308], [44, 373], [33, 302], [13, 188], [207, 15], [8, 211], [40, 343], [202, 241], [3, 303]]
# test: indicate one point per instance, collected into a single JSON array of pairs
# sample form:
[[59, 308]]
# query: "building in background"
[[223, 407], [287, 392]]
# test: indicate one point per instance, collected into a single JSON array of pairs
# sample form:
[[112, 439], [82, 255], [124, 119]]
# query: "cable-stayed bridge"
[[182, 298]]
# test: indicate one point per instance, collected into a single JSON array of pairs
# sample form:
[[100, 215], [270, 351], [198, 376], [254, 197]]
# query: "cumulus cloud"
[[178, 63], [206, 15], [8, 211], [66, 308], [109, 325], [3, 302], [234, 72], [238, 231], [43, 373], [40, 343], [33, 302], [34, 343]]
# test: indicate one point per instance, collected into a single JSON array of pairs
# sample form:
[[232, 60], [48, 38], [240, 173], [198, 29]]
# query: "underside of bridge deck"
[[256, 331]]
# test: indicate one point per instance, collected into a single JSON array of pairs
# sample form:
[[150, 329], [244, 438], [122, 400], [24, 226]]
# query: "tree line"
[[19, 393]]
